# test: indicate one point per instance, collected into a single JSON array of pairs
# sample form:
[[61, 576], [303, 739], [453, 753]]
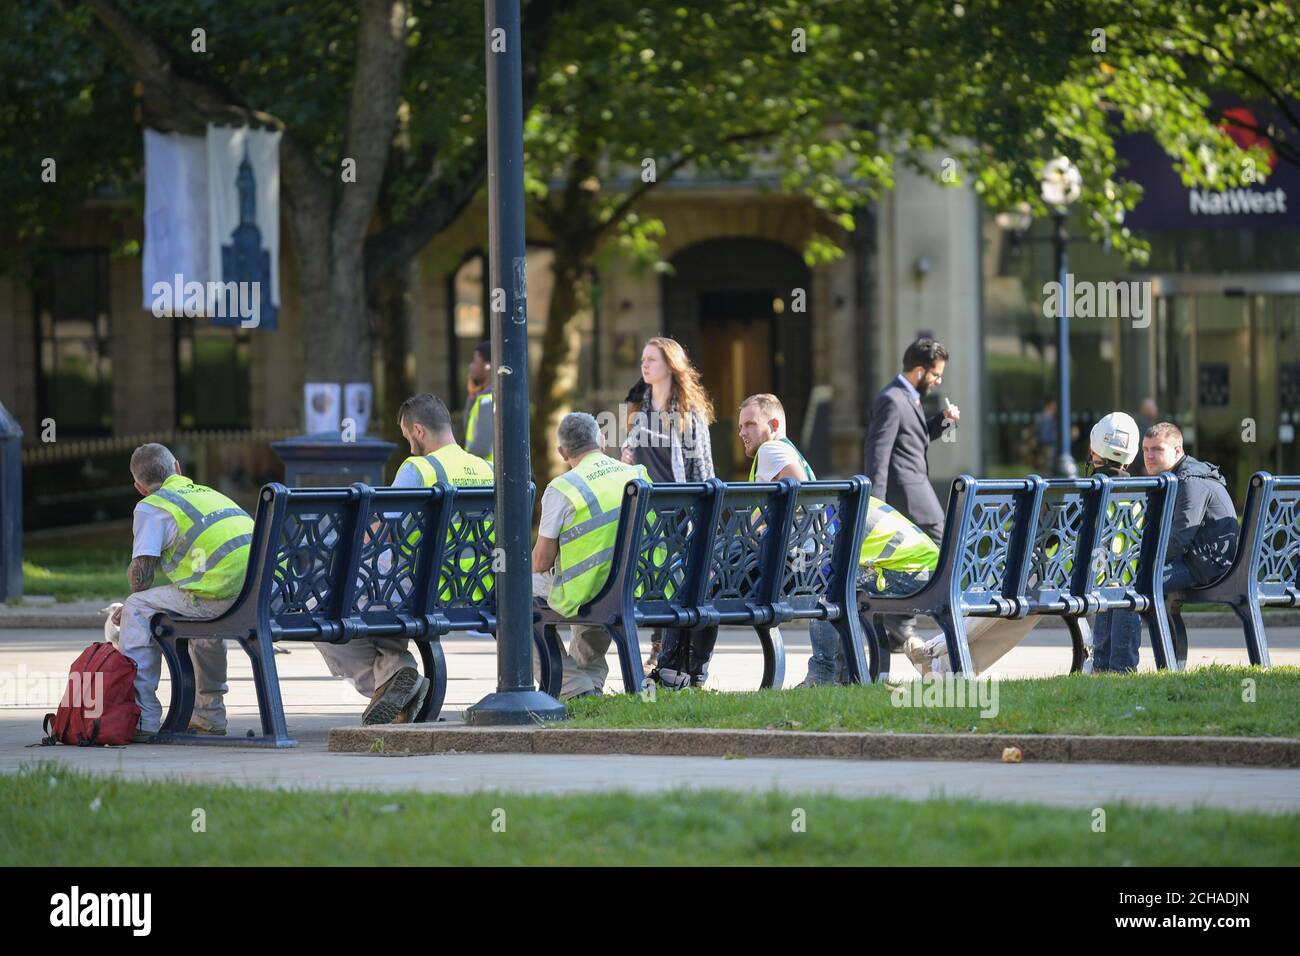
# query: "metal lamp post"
[[1061, 185], [515, 701]]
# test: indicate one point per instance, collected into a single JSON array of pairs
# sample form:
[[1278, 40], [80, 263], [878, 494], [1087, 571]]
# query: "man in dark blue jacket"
[[1203, 539]]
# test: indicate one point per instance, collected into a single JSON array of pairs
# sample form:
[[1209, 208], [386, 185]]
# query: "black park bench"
[[337, 564], [698, 555]]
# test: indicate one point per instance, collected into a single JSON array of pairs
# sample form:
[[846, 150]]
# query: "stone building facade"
[[81, 349]]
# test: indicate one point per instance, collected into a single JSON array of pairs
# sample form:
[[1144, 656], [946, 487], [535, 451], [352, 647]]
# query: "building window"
[[212, 377], [468, 326], [74, 367], [468, 323]]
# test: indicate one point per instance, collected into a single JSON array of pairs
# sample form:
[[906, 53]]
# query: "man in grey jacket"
[[897, 448], [1203, 539]]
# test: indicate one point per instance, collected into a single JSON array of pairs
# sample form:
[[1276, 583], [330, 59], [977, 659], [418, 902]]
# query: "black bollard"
[[11, 507]]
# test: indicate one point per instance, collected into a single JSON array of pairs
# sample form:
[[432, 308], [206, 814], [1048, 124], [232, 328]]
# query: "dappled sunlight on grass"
[[1215, 701]]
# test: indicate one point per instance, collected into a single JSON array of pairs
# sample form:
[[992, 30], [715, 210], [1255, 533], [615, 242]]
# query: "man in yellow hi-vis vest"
[[201, 540], [383, 668], [575, 544], [480, 411]]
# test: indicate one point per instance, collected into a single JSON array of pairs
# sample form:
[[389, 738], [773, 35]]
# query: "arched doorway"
[[732, 304]]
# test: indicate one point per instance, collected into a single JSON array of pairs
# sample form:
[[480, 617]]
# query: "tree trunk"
[[328, 217], [556, 377], [331, 284], [394, 308]]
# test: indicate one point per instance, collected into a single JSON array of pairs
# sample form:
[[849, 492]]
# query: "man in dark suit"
[[897, 447]]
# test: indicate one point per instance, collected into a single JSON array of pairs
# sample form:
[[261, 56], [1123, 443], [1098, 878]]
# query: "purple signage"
[[1167, 204]]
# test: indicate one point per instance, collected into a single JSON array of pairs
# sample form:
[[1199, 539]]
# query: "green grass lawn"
[[1208, 700], [84, 569], [46, 814]]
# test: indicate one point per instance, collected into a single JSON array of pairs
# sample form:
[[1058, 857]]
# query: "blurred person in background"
[[668, 415]]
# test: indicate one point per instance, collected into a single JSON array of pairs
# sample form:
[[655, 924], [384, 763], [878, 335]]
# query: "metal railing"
[[116, 444]]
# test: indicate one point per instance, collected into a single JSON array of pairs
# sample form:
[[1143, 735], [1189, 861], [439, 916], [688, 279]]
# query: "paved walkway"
[[33, 668]]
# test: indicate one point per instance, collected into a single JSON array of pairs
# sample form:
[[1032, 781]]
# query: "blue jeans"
[[828, 664], [1117, 635], [1178, 576], [1115, 640]]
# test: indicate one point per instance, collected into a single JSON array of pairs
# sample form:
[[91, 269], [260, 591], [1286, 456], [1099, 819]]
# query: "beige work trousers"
[[585, 668]]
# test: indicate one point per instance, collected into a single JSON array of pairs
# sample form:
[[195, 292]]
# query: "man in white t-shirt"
[[205, 594], [762, 432], [568, 569]]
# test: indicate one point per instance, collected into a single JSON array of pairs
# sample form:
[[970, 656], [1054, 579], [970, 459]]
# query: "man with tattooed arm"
[[200, 539]]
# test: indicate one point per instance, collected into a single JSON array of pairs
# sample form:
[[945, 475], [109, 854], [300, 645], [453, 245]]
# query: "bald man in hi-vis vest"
[[201, 539], [575, 544]]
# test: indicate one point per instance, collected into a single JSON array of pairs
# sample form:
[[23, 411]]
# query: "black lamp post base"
[[515, 708]]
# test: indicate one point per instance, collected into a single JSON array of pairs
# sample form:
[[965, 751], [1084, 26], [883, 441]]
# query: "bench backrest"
[[1273, 507], [749, 544], [1063, 542], [1128, 554], [988, 540], [825, 539], [385, 558], [312, 558], [667, 530]]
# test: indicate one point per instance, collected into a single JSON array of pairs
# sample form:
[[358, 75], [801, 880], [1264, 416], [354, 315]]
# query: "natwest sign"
[[1243, 203], [1237, 202]]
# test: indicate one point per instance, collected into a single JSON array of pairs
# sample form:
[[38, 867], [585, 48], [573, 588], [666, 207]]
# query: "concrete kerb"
[[37, 613], [1061, 748]]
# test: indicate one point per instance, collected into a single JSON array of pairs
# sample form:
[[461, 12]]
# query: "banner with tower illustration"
[[212, 226], [244, 222]]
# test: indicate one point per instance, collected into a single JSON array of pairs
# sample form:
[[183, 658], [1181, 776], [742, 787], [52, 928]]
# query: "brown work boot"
[[196, 728], [391, 696], [408, 713]]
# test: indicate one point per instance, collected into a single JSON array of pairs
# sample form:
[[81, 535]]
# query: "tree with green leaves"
[[379, 102], [833, 96]]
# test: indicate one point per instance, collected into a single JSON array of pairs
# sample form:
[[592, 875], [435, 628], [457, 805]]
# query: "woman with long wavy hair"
[[668, 417]]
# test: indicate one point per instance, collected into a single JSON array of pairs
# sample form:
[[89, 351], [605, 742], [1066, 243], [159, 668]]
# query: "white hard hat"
[[1115, 438]]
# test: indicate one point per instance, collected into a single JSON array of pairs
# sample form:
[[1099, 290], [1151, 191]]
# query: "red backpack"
[[98, 706]]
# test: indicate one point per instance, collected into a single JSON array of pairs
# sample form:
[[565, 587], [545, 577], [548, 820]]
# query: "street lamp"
[[515, 700], [1061, 185]]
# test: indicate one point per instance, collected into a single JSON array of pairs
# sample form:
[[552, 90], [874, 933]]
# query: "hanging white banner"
[[175, 219]]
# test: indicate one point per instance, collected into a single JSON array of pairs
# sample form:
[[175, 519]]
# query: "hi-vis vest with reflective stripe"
[[471, 421], [453, 465], [595, 489], [209, 555], [891, 542], [753, 469]]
